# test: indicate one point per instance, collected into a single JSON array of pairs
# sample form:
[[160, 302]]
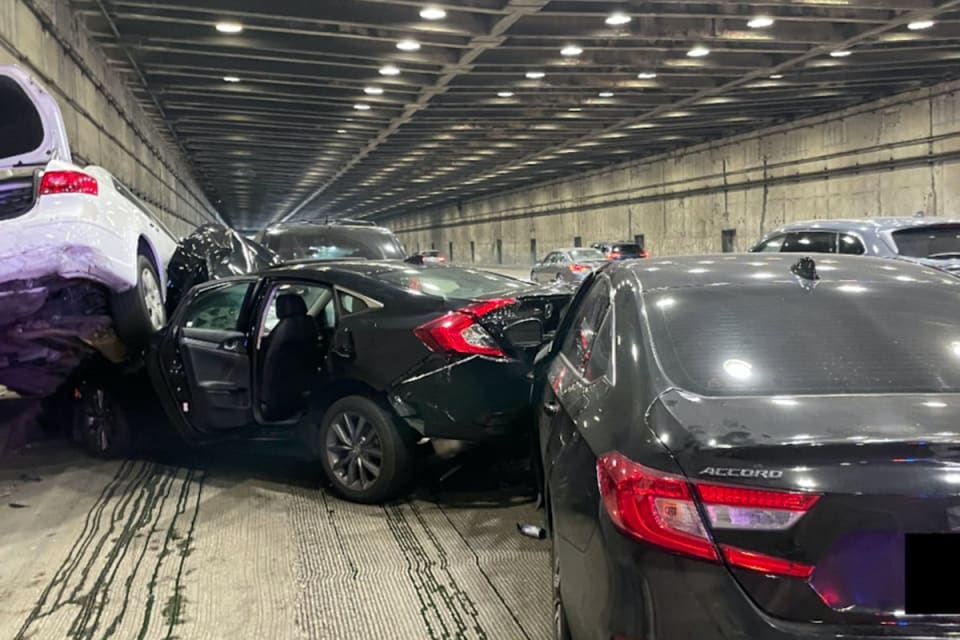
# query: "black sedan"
[[755, 447], [353, 362]]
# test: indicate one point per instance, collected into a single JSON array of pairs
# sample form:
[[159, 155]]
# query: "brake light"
[[55, 182], [613, 255], [644, 253], [661, 509], [579, 268], [458, 332]]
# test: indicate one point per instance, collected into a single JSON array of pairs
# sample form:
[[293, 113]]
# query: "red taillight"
[[579, 268], [660, 508], [613, 255], [54, 182], [458, 331], [644, 253]]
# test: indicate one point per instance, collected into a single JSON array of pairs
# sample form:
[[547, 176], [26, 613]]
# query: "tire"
[[349, 434], [139, 312], [100, 423]]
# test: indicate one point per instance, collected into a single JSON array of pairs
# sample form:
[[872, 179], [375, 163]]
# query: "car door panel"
[[218, 367]]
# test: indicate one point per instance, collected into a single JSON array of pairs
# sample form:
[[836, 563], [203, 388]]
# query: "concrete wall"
[[106, 125], [892, 157]]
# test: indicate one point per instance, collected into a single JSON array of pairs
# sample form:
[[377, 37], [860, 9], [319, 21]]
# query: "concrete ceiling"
[[290, 137]]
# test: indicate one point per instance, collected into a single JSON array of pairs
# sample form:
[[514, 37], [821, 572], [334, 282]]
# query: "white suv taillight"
[[661, 509], [56, 182]]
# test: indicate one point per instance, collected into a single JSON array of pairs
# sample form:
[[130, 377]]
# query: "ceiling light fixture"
[[646, 75], [341, 130], [433, 13], [389, 70], [360, 106], [229, 27], [408, 45], [373, 91], [605, 94], [698, 52], [776, 76], [840, 53], [920, 25], [231, 79], [760, 22], [575, 109], [571, 50], [505, 94], [617, 19], [535, 75]]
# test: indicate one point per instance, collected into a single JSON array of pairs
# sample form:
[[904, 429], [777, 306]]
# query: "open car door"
[[203, 361]]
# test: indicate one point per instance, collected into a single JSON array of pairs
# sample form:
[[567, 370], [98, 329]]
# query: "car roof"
[[755, 269], [863, 224]]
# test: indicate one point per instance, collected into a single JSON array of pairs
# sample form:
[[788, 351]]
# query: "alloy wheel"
[[98, 419], [354, 450], [152, 300]]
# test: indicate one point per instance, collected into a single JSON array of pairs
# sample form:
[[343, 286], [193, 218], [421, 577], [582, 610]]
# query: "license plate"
[[931, 568]]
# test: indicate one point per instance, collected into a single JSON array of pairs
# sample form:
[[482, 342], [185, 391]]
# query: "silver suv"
[[934, 242]]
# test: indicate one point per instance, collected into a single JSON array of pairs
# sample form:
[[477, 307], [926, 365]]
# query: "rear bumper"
[[63, 239], [474, 399], [636, 592]]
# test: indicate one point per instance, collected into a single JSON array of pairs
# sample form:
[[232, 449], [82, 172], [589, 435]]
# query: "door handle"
[[551, 408], [233, 344]]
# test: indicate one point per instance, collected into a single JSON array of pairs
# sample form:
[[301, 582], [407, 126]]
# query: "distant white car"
[[62, 221]]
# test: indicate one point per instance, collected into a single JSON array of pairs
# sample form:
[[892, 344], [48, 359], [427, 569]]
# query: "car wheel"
[[364, 452], [99, 422], [561, 628], [139, 312]]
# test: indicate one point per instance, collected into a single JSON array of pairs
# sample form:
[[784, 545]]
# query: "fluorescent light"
[[571, 50], [505, 94], [408, 45], [360, 106], [389, 70], [535, 75], [920, 25], [231, 79], [433, 13], [341, 130], [646, 75], [618, 18], [373, 91], [229, 27], [841, 53], [776, 76], [605, 94], [760, 22], [574, 109], [698, 52]]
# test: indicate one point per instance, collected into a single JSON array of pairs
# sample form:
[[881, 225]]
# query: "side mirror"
[[525, 334]]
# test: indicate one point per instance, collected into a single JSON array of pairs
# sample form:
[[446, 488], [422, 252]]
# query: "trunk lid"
[[31, 127], [523, 327], [884, 467]]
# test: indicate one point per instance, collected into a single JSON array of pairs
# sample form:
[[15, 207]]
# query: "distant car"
[[569, 265], [621, 250], [352, 362], [755, 447], [426, 257], [934, 242], [331, 240], [80, 255], [212, 252]]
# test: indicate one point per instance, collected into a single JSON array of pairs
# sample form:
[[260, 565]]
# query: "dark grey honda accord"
[[762, 447]]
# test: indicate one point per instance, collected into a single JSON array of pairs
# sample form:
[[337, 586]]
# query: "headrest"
[[290, 305]]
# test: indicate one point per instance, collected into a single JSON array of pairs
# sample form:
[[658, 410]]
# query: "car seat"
[[290, 361]]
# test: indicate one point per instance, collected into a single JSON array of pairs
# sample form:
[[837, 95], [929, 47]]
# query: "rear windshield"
[[331, 243], [21, 130], [453, 282], [942, 241], [839, 338], [631, 249], [584, 255]]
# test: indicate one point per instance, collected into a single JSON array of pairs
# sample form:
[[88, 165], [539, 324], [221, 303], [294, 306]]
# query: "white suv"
[[60, 221]]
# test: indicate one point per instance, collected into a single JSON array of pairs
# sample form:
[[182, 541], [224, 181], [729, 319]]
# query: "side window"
[[561, 258], [218, 309], [772, 245], [350, 304], [550, 259], [317, 298], [810, 242], [580, 341], [598, 364], [851, 244]]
